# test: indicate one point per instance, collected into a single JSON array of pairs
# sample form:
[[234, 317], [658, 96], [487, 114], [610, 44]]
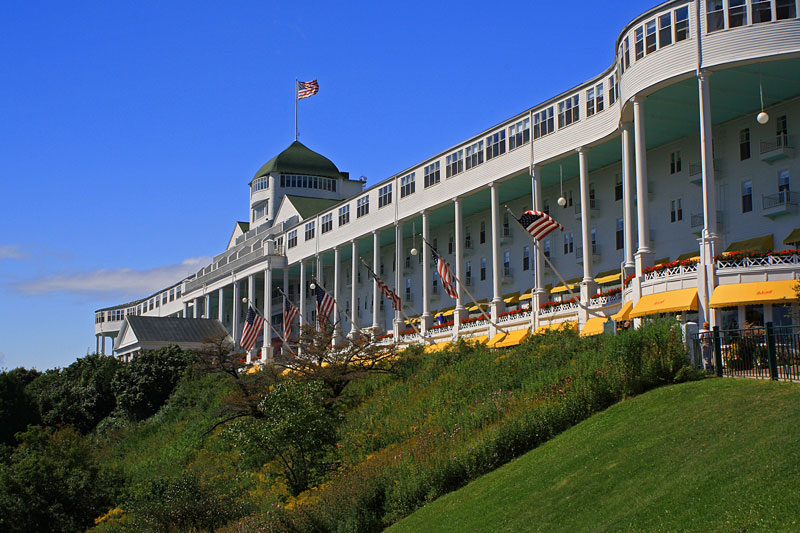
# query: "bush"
[[18, 408]]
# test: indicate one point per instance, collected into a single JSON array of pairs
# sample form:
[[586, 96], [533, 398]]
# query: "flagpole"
[[471, 297], [255, 307], [284, 337], [339, 307], [295, 108], [558, 274]]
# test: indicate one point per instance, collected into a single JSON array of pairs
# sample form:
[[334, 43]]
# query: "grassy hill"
[[713, 455]]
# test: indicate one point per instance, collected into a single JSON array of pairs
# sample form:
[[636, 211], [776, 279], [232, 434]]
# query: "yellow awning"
[[593, 326], [475, 340], [609, 278], [526, 296], [512, 297], [512, 338], [449, 312], [438, 347], [755, 244], [793, 237], [570, 324], [760, 292], [560, 288], [666, 302], [480, 304], [624, 313]]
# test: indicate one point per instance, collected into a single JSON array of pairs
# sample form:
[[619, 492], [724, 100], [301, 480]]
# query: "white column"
[[460, 311], [337, 328], [398, 275], [97, 343], [237, 335], [354, 310], [103, 345], [251, 300], [426, 274], [376, 261], [266, 352], [286, 334], [221, 305], [497, 298], [207, 304], [538, 295], [644, 255], [196, 304], [709, 239], [185, 309], [588, 285], [627, 197], [302, 304]]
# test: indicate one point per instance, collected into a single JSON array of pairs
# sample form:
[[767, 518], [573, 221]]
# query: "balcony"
[[595, 254], [780, 148], [783, 203], [696, 171], [594, 210]]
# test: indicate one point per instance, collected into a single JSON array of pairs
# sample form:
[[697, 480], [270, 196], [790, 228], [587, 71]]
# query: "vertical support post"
[[221, 305], [207, 306], [185, 309], [644, 253], [103, 345], [286, 334], [337, 280], [97, 344], [196, 303], [398, 275], [717, 352], [302, 297], [460, 311], [537, 296], [376, 259], [354, 310], [773, 360], [627, 198], [588, 285], [236, 311], [251, 297], [426, 274], [266, 352], [497, 298]]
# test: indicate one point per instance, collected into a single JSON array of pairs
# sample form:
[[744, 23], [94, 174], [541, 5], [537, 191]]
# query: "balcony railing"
[[677, 270], [749, 262], [779, 148], [515, 316], [601, 301], [558, 309]]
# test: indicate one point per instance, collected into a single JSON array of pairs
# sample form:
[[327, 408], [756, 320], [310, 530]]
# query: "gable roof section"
[[174, 330], [298, 159], [308, 207], [239, 229]]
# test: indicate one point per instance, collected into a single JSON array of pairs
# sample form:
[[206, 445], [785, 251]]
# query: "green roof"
[[297, 159], [308, 207]]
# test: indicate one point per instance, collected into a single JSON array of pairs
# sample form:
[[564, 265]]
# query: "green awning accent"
[[297, 159], [688, 255], [756, 244], [308, 207], [794, 237]]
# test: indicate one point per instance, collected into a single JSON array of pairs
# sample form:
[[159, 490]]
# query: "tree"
[[352, 358], [18, 409], [142, 386], [296, 429]]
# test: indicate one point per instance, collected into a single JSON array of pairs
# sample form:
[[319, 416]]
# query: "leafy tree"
[[297, 430], [52, 482], [142, 386], [78, 395], [17, 406]]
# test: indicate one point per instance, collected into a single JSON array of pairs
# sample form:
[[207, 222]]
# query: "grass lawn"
[[714, 455]]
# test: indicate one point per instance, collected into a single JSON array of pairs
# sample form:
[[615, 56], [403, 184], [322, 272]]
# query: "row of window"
[[655, 34], [148, 305], [308, 182], [742, 12], [259, 184]]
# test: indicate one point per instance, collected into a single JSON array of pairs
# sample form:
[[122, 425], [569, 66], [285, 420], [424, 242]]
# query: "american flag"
[[306, 89], [538, 224], [289, 314], [444, 273], [252, 327], [325, 303], [397, 303]]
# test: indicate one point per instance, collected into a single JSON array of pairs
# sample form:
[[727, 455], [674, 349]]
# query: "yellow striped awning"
[[760, 292], [479, 339], [569, 324], [561, 288], [512, 338], [593, 326], [624, 312], [526, 296], [480, 304], [666, 302], [512, 297], [609, 278]]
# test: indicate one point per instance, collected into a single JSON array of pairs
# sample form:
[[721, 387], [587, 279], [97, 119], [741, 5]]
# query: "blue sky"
[[130, 130]]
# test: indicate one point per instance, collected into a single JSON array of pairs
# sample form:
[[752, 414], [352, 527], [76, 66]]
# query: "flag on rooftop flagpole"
[[307, 89], [325, 304], [289, 314], [538, 224], [397, 303], [252, 327]]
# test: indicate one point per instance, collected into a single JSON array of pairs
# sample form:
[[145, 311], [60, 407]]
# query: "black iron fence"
[[770, 352]]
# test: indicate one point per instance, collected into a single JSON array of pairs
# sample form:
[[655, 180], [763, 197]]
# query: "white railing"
[[669, 272], [473, 325], [605, 300], [749, 262], [443, 329], [560, 308], [517, 316], [409, 337]]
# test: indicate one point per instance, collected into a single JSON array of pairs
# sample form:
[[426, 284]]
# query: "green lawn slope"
[[713, 455]]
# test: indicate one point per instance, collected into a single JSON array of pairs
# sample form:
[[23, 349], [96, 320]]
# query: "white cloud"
[[126, 281], [11, 251]]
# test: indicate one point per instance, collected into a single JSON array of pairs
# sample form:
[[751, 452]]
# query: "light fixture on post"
[[561, 200], [312, 285], [414, 250], [763, 117]]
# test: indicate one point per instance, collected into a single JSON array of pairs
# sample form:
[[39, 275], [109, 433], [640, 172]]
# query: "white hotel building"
[[660, 158]]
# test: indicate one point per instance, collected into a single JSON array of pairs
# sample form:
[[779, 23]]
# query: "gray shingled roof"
[[177, 330]]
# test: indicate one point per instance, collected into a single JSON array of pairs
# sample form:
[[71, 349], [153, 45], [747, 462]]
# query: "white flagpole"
[[296, 86]]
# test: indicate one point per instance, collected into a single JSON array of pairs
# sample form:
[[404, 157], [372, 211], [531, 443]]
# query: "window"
[[385, 195], [747, 196], [782, 131], [483, 268], [612, 90], [519, 134], [626, 53], [737, 13], [744, 144], [783, 186], [675, 210], [569, 111], [569, 198], [590, 102], [468, 240], [432, 175], [468, 271], [675, 162], [568, 244], [664, 30], [408, 289], [543, 123], [260, 210], [681, 24], [593, 233], [547, 248], [474, 156], [620, 234], [785, 9], [308, 182], [344, 214], [310, 230], [291, 239], [650, 37], [506, 264], [327, 223], [435, 282], [617, 188], [450, 244], [506, 226], [260, 184], [455, 163], [762, 11], [526, 257], [639, 42], [483, 232], [407, 185], [715, 15], [592, 197], [495, 144], [362, 206]]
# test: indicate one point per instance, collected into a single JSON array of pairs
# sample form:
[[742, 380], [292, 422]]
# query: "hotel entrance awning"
[[761, 292], [666, 302]]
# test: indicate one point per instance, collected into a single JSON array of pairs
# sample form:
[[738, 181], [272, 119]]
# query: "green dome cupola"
[[298, 159]]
